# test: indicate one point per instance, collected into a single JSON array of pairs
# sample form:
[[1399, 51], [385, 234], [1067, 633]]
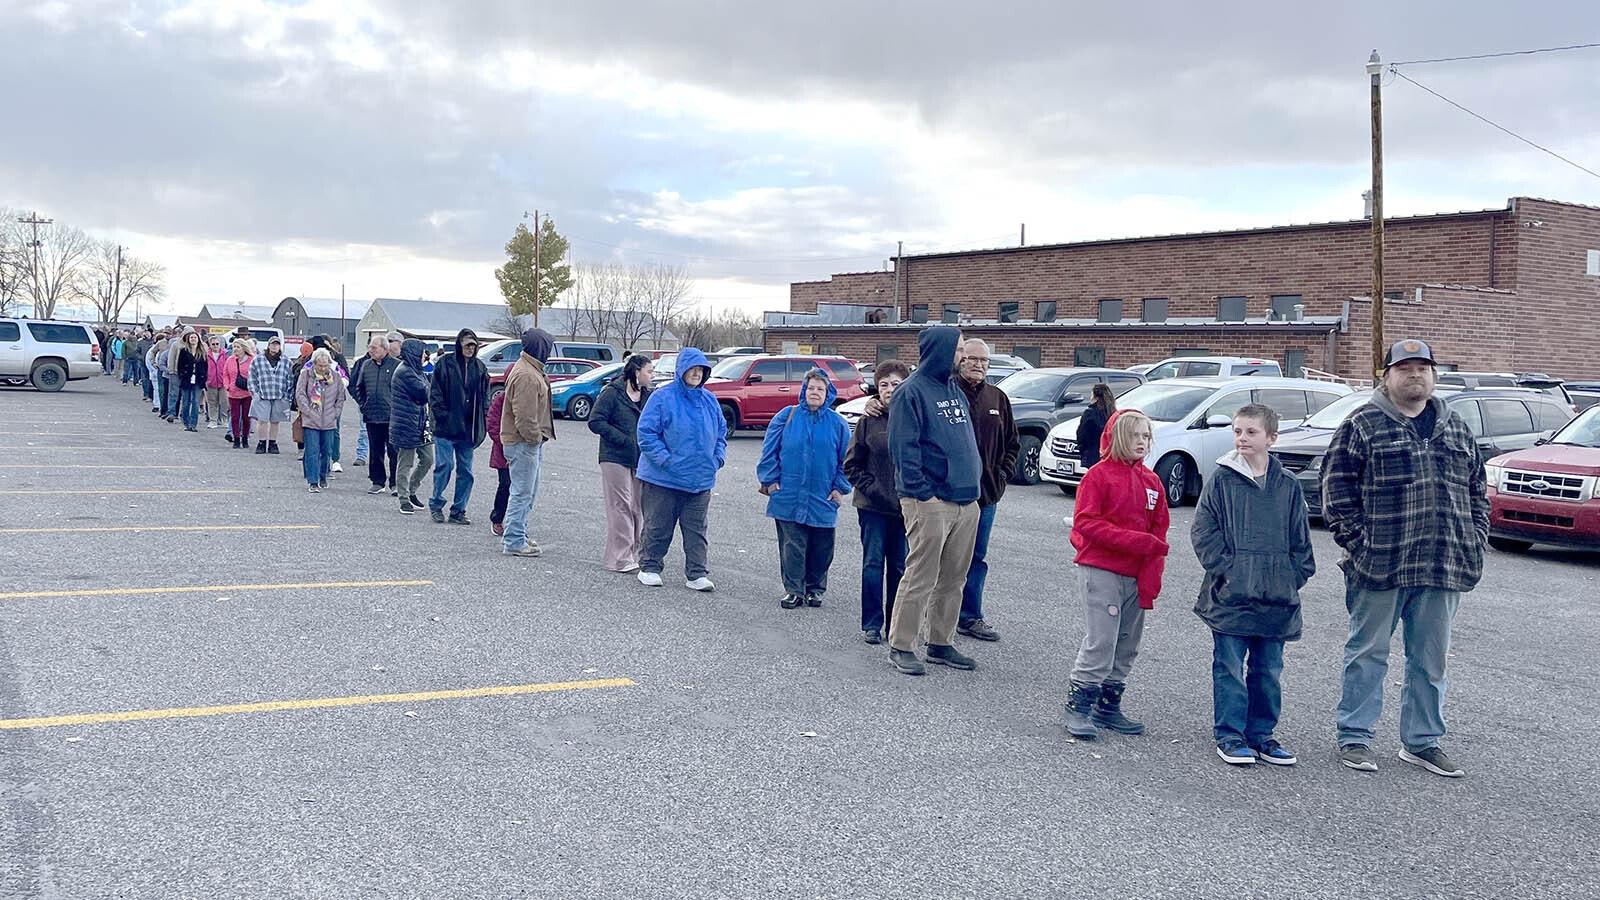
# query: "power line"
[[1494, 124], [1444, 59]]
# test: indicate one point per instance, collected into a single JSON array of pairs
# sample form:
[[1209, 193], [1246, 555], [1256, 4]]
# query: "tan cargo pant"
[[939, 539]]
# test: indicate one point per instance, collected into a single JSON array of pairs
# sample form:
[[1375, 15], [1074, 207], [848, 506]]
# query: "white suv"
[[47, 354], [1198, 366], [1191, 419]]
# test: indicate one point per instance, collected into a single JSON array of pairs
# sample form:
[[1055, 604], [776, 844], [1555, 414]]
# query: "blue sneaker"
[[1235, 753], [1271, 752]]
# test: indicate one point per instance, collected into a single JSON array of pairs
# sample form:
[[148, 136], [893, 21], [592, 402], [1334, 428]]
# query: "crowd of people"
[[926, 467]]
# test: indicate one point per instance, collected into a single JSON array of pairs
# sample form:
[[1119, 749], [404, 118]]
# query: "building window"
[[1031, 354], [1110, 311], [951, 314], [1044, 311], [1191, 351], [1282, 306], [1231, 309], [1089, 356], [1396, 296], [1294, 362], [828, 349], [919, 313], [1010, 311], [1153, 309], [887, 352]]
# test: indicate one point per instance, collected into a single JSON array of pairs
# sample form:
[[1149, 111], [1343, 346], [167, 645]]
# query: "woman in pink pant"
[[616, 420], [235, 383]]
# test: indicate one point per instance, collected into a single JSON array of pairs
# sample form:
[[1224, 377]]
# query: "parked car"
[[1003, 366], [726, 352], [498, 356], [1501, 420], [574, 398], [1555, 387], [47, 354], [1584, 394], [1200, 366], [1141, 368], [600, 353], [556, 369], [1549, 493], [1191, 419], [1042, 398], [751, 389]]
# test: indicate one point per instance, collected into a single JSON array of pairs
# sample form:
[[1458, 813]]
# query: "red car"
[[1548, 493], [556, 368], [751, 389]]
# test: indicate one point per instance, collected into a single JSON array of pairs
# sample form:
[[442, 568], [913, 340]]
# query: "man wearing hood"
[[526, 423], [938, 478], [683, 442], [408, 425], [1404, 494], [459, 399]]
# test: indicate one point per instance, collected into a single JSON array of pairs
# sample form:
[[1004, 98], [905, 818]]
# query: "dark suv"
[[1501, 420], [751, 389], [1042, 398]]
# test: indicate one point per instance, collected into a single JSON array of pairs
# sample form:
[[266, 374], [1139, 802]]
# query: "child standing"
[[1253, 538], [1119, 529]]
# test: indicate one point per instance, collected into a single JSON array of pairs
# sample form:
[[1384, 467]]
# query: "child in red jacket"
[[1119, 528]]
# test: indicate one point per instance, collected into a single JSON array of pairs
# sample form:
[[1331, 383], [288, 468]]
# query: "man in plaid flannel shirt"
[[1404, 494]]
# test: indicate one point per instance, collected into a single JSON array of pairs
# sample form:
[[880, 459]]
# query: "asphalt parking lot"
[[213, 684]]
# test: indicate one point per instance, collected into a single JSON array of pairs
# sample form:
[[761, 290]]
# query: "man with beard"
[[459, 398], [1404, 494]]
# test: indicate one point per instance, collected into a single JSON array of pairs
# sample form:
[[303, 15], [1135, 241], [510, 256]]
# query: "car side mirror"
[[753, 379], [1070, 398], [1544, 437], [1218, 420]]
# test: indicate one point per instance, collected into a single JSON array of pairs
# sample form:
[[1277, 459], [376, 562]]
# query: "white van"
[[47, 354], [600, 353]]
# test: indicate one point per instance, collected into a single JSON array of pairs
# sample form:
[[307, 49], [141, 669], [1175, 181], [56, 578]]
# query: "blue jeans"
[[883, 564], [448, 454], [189, 405], [319, 454], [169, 395], [525, 461], [158, 391], [1245, 707], [1374, 615], [978, 572], [361, 442]]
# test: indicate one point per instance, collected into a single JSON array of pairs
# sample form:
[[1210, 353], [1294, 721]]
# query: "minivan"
[[600, 353]]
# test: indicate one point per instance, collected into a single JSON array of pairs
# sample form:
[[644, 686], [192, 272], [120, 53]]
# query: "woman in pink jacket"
[[211, 398], [236, 383]]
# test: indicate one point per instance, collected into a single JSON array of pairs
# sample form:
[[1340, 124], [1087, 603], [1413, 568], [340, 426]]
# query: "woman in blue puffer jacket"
[[408, 425], [802, 473], [683, 442]]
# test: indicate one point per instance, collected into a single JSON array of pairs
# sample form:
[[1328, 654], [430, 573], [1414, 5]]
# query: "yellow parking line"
[[130, 491], [156, 528], [75, 466], [139, 715], [209, 588]]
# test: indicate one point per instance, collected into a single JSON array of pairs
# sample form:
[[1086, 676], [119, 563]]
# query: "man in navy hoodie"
[[936, 474]]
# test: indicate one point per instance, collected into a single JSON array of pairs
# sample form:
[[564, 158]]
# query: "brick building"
[[1512, 289]]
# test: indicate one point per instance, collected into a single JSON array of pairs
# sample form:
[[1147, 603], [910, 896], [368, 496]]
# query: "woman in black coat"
[[1093, 423], [616, 419], [883, 530]]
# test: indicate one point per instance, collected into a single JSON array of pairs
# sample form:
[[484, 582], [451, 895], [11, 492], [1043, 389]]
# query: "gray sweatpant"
[[1116, 625], [411, 467]]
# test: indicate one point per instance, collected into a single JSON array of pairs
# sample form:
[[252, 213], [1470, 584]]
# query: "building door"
[[1294, 363]]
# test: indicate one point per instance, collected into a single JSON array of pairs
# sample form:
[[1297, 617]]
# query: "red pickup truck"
[[751, 389]]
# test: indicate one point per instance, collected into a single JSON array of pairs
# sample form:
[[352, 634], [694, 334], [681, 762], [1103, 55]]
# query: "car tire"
[[1067, 489], [579, 408], [495, 391], [49, 376], [730, 415], [1173, 470], [1509, 545], [1027, 460]]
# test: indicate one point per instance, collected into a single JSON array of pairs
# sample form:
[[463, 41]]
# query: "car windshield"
[[1584, 431], [1330, 416], [1165, 402], [732, 367], [600, 373], [1033, 385]]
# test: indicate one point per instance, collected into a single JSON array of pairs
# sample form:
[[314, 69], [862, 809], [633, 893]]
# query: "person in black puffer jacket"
[[408, 425], [372, 385], [616, 419], [883, 531]]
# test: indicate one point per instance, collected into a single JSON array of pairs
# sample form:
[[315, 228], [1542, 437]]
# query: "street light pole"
[[1375, 73]]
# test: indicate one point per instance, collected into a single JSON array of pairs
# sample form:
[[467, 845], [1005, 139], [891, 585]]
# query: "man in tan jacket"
[[525, 424]]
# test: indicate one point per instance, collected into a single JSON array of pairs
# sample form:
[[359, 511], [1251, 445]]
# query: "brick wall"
[[1464, 326], [1556, 322], [861, 288]]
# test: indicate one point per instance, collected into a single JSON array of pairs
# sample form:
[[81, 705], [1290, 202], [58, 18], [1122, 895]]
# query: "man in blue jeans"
[[1404, 494], [998, 445], [458, 396]]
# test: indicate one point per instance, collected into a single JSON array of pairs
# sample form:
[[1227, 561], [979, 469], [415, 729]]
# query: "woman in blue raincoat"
[[802, 473]]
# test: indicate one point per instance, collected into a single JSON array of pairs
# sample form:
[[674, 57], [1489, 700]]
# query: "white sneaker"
[[650, 579], [211, 425], [337, 468], [699, 584], [629, 567]]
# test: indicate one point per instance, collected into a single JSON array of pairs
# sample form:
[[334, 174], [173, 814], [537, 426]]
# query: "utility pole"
[[33, 284], [899, 251], [536, 299], [1375, 72], [342, 332], [116, 287]]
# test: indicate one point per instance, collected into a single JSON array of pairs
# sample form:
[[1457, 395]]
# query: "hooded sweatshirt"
[[1120, 520], [459, 395], [683, 437], [803, 453], [408, 399], [525, 416], [1255, 544], [930, 427]]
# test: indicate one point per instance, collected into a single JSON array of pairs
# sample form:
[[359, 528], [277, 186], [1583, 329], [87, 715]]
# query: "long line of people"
[[927, 465]]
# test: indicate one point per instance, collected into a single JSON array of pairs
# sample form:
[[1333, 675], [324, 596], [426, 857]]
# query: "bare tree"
[[708, 331], [63, 250], [665, 295], [13, 263], [143, 281]]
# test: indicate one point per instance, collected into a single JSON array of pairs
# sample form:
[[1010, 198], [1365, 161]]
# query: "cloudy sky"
[[261, 149]]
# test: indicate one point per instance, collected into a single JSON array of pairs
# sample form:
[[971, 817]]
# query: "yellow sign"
[[804, 348]]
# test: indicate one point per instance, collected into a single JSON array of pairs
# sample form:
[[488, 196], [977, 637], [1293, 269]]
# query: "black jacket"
[[616, 419], [459, 396], [371, 384], [1090, 427], [408, 400], [192, 368], [870, 468], [996, 432]]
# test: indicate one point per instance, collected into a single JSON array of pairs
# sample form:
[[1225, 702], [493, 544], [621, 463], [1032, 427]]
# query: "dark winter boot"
[[261, 446], [272, 447], [1108, 710], [1079, 703]]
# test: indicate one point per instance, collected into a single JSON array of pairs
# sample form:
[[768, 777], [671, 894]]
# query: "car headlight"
[[1315, 465], [1493, 474]]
